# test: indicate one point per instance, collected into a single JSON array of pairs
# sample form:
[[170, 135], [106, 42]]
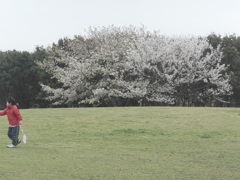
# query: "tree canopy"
[[115, 66], [125, 66]]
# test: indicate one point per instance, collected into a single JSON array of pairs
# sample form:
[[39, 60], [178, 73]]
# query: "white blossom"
[[133, 63]]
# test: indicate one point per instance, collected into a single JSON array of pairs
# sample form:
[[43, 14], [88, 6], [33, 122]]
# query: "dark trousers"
[[13, 133]]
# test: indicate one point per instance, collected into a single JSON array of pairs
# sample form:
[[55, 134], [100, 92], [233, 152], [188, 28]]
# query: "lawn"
[[124, 143]]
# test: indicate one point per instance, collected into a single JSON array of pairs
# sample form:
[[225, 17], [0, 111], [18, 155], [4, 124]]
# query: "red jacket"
[[13, 114]]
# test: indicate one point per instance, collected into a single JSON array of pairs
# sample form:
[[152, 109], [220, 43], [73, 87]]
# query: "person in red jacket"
[[14, 119]]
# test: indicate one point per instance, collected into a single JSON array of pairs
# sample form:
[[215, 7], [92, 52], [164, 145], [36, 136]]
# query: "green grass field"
[[124, 143]]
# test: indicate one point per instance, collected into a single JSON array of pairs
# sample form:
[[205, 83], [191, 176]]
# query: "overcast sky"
[[25, 24]]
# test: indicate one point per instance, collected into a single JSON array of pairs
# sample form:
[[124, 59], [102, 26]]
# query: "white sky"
[[24, 24]]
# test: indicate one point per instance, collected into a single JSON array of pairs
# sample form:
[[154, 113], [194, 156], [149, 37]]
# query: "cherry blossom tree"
[[112, 66], [186, 70]]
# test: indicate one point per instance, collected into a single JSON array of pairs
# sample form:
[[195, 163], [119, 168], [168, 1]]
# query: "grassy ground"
[[125, 143]]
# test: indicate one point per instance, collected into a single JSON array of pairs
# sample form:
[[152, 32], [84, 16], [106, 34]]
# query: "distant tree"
[[230, 46], [231, 52], [114, 66], [91, 70], [181, 73], [18, 77], [214, 40], [42, 76]]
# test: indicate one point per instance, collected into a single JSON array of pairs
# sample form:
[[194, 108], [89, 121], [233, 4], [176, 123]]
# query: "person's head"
[[10, 101]]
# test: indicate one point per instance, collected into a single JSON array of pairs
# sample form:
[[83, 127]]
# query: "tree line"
[[125, 66]]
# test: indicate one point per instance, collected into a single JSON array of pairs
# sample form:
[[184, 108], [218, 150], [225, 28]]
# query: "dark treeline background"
[[21, 77]]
